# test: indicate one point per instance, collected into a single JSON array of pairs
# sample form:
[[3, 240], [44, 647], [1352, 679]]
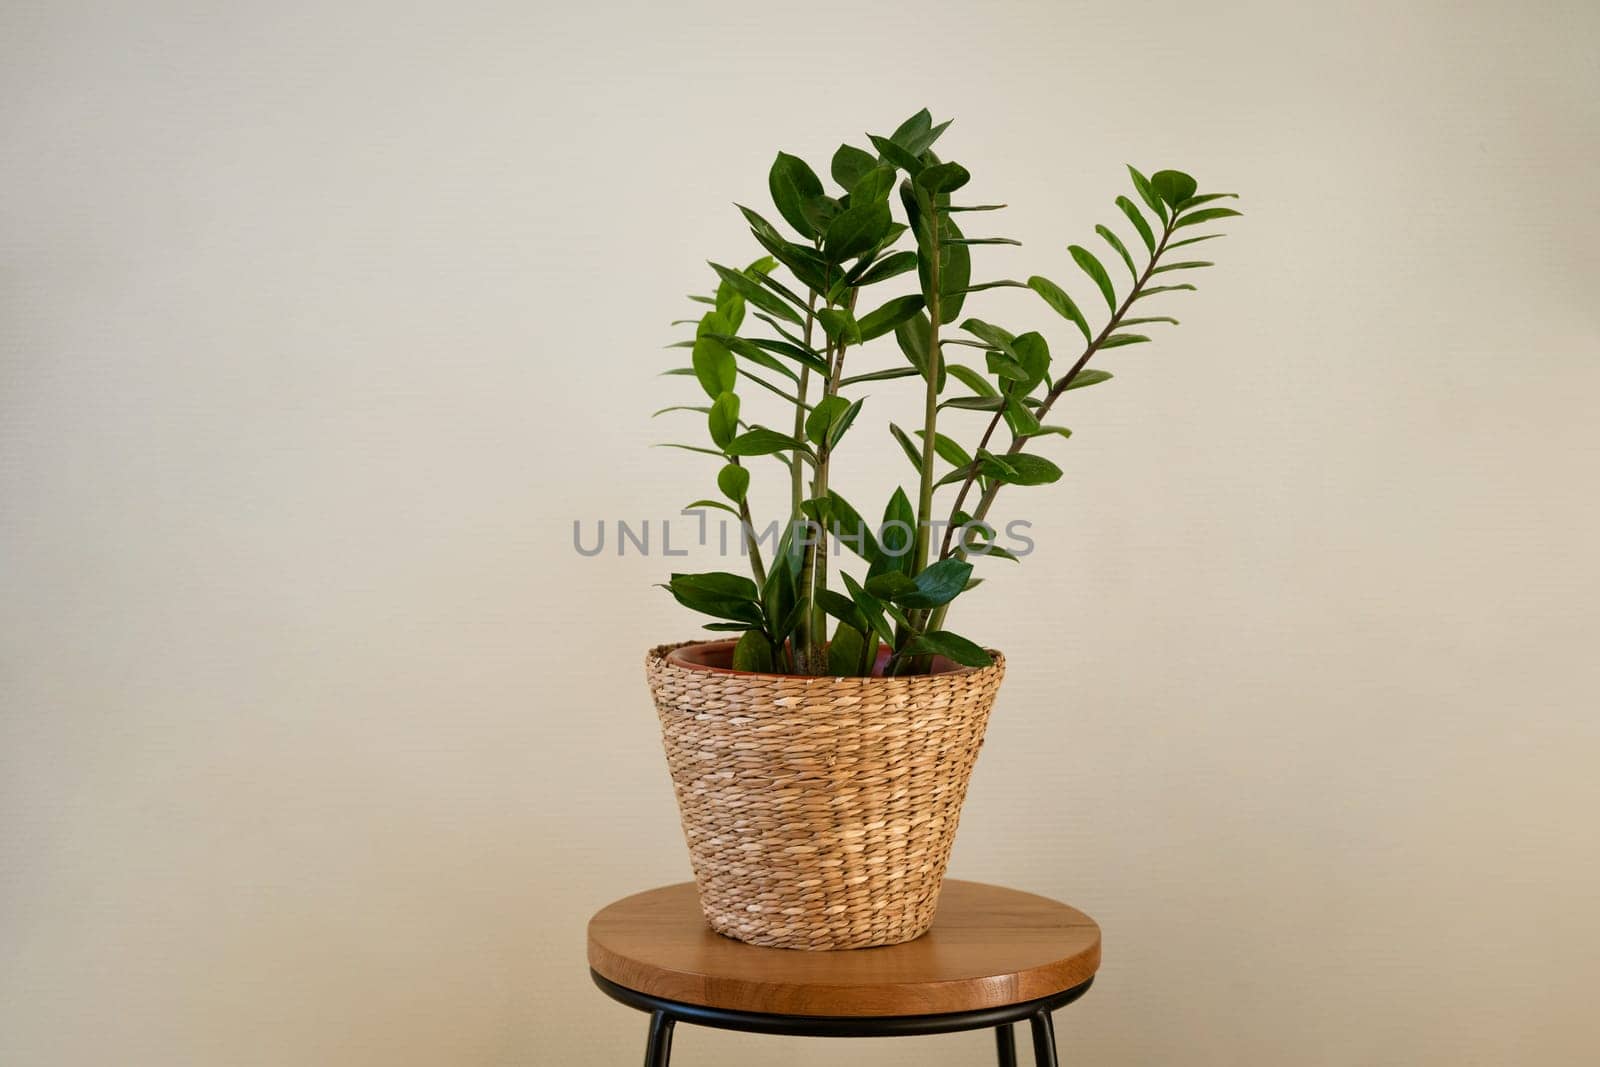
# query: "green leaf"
[[839, 426], [714, 366], [1117, 340], [723, 595], [1058, 299], [1003, 366], [1115, 242], [778, 595], [1194, 240], [841, 607], [913, 335], [800, 355], [938, 584], [1020, 418], [717, 583], [829, 411], [724, 419], [1087, 377], [850, 528], [993, 466], [910, 132], [991, 335], [753, 291], [681, 407], [804, 262], [1188, 264], [793, 184], [1137, 218], [729, 627], [913, 453], [892, 314], [879, 375], [753, 653], [754, 353], [888, 267], [901, 619], [871, 608], [734, 481], [976, 403], [917, 134], [1097, 273], [947, 449], [1033, 354], [761, 271], [1141, 185], [1207, 215], [1029, 470], [1004, 283], [1185, 287], [850, 164], [713, 322], [969, 241], [896, 536], [921, 144], [1172, 186], [897, 155], [820, 210], [875, 185], [1151, 318], [761, 441], [691, 448], [718, 505], [956, 474], [951, 646], [891, 585], [845, 651], [971, 379], [1043, 431], [1196, 201], [773, 389], [856, 230], [943, 178], [839, 325]]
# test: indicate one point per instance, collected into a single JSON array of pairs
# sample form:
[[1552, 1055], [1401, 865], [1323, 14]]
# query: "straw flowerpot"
[[819, 811]]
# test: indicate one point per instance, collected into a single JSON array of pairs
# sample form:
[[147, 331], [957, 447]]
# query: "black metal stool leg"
[[1005, 1043], [658, 1048], [1044, 1039]]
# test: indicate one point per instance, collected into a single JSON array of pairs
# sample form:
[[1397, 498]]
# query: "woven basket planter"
[[819, 812]]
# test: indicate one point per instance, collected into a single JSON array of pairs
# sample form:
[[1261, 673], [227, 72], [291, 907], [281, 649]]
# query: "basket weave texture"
[[820, 812]]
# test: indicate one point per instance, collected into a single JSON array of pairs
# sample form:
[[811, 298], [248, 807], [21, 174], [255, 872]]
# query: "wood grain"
[[989, 946]]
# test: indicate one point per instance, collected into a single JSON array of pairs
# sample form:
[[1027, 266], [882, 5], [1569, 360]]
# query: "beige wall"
[[321, 323]]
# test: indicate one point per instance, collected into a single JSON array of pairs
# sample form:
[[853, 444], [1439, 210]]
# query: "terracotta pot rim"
[[677, 656]]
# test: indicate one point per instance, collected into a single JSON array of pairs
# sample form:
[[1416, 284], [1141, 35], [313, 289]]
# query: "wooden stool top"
[[989, 947]]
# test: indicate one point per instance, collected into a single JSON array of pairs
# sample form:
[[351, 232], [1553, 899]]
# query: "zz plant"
[[816, 297]]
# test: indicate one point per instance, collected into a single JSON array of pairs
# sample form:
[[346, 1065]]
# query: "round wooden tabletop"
[[989, 947]]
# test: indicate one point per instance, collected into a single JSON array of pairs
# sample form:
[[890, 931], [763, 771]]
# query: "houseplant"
[[820, 758]]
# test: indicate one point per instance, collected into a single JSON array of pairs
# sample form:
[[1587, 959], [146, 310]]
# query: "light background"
[[321, 323]]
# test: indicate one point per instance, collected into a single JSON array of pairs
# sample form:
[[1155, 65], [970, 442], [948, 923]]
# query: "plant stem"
[[753, 547], [930, 407], [803, 640], [797, 471], [930, 419], [811, 632]]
